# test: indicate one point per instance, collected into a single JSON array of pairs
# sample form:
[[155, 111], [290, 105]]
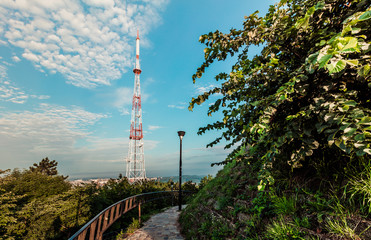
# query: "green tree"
[[8, 208], [305, 100], [34, 184], [45, 166], [204, 181], [56, 216], [36, 205]]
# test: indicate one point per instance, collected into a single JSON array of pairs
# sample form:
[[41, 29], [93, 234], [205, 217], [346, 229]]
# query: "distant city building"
[[99, 182]]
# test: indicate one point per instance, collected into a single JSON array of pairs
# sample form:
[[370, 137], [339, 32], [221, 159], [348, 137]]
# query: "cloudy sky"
[[66, 82]]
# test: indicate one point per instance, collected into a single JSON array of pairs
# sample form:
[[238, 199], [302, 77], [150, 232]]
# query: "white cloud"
[[181, 105], [123, 99], [48, 129], [89, 42], [11, 93], [100, 3], [49, 122], [16, 59], [40, 97], [202, 89], [150, 127], [61, 133]]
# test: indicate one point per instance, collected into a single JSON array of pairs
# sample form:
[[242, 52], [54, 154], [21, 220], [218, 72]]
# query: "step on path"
[[162, 226]]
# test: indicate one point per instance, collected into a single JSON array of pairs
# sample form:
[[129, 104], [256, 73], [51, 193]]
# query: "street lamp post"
[[181, 135], [172, 194]]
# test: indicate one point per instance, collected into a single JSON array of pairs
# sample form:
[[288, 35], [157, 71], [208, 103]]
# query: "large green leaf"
[[349, 131], [324, 60], [336, 66], [367, 150], [351, 44], [351, 103], [365, 120], [365, 16], [364, 70]]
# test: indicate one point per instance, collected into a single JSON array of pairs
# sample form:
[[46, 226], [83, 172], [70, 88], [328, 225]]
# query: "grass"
[[283, 229], [359, 188], [341, 228], [285, 206]]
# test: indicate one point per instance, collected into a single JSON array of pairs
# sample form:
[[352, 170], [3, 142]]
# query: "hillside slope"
[[298, 118], [231, 207]]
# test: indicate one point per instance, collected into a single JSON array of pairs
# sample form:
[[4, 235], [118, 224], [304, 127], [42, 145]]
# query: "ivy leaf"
[[360, 153], [367, 150], [360, 137], [365, 120], [320, 5], [352, 62], [351, 103], [351, 44], [365, 16], [312, 59], [364, 70], [336, 67], [349, 131], [324, 60], [356, 30]]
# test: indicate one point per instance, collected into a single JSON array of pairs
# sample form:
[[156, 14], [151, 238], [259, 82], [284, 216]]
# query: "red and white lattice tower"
[[135, 168]]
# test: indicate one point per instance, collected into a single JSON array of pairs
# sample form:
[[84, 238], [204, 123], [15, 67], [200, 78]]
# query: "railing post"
[[92, 230], [172, 194], [139, 210]]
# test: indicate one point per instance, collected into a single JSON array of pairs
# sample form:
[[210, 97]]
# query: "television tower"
[[135, 168]]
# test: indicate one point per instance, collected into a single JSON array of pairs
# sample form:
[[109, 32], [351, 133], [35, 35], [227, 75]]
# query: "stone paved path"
[[161, 226]]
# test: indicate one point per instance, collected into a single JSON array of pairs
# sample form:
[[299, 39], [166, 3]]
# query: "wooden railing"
[[94, 229]]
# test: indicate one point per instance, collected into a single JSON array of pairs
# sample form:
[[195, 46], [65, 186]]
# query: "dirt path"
[[160, 226]]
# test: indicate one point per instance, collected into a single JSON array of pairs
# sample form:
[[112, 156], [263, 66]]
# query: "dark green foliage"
[[40, 204], [45, 167], [213, 212], [299, 117], [205, 180], [33, 202], [305, 98], [34, 184]]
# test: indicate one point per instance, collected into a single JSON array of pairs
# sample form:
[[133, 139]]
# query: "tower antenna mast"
[[135, 167]]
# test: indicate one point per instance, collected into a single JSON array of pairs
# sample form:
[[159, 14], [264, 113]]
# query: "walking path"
[[161, 226]]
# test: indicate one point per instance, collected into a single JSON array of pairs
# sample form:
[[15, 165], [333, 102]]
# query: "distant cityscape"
[[101, 181]]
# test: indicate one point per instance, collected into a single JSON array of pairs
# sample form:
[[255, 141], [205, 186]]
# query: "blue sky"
[[66, 82]]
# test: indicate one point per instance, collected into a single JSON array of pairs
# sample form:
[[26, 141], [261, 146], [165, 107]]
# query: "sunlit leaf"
[[364, 70], [336, 67], [324, 60], [367, 150], [365, 16], [351, 44], [365, 120], [349, 131], [352, 62], [351, 103]]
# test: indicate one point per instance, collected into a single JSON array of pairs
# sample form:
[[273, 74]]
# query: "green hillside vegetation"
[[298, 119], [38, 203]]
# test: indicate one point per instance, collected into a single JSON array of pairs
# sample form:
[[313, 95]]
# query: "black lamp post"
[[181, 135]]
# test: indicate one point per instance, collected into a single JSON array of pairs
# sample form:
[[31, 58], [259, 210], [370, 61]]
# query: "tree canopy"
[[45, 166], [306, 97]]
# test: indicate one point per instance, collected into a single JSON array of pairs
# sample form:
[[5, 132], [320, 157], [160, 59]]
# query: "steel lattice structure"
[[135, 166]]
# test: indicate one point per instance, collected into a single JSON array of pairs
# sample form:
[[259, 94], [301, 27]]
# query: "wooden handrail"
[[94, 229]]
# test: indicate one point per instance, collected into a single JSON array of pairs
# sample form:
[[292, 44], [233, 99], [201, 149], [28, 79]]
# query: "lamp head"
[[181, 134]]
